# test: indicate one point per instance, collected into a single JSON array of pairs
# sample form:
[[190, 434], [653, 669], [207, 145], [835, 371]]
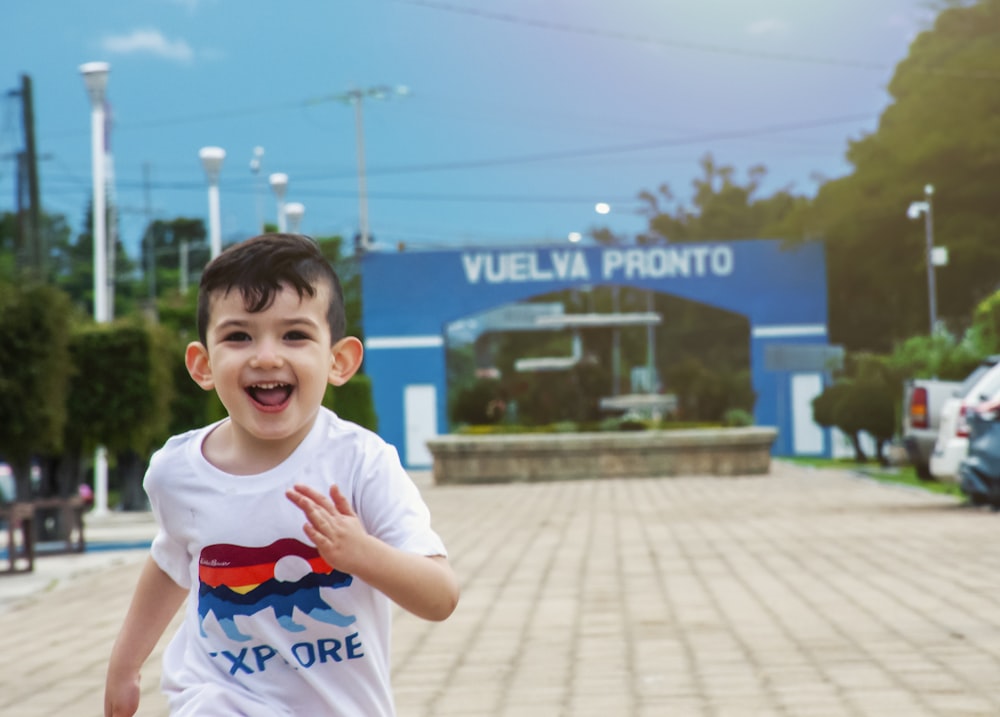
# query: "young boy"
[[287, 529]]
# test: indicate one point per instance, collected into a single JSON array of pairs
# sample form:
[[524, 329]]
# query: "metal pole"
[[931, 284], [100, 214], [95, 77], [184, 266], [650, 346], [214, 220], [149, 240], [616, 348], [362, 180]]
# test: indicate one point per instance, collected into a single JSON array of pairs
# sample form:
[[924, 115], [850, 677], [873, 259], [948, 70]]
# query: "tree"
[[170, 241], [723, 209], [942, 128], [34, 372]]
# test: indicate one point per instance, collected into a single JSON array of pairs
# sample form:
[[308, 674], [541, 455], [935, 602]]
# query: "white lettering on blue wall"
[[616, 264], [667, 262], [524, 266]]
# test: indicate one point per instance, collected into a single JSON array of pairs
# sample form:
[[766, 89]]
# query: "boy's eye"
[[236, 336], [296, 336]]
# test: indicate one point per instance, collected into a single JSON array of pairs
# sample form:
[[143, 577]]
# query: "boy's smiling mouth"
[[269, 394]]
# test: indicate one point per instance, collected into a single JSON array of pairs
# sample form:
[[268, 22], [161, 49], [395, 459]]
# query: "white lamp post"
[[95, 77], [294, 212], [255, 165], [279, 185], [915, 210], [211, 160]]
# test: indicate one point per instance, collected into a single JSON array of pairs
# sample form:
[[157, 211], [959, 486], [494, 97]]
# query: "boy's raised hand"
[[333, 526]]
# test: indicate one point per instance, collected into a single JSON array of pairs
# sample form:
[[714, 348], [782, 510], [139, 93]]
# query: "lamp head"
[[294, 211], [255, 161], [211, 160], [95, 77], [916, 209], [279, 184]]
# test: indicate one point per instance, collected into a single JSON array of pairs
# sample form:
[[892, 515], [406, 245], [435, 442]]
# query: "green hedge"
[[353, 401]]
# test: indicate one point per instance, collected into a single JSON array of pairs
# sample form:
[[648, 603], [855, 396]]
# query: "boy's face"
[[270, 368]]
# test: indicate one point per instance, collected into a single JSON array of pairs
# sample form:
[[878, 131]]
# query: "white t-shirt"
[[270, 628]]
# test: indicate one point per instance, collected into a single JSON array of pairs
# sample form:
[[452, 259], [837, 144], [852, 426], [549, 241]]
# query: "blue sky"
[[520, 115]]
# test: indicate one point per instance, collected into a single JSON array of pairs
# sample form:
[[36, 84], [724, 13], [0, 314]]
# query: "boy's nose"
[[267, 356]]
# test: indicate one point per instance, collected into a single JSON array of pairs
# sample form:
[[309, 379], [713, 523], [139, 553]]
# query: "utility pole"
[[38, 243], [149, 241], [356, 98], [32, 252]]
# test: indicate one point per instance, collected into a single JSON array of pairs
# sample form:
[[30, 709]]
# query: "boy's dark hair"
[[259, 266]]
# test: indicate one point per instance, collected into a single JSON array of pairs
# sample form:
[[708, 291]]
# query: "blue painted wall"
[[410, 297]]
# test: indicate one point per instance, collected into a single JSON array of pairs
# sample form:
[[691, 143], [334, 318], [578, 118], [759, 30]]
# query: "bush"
[[353, 401], [478, 404], [34, 371], [736, 417]]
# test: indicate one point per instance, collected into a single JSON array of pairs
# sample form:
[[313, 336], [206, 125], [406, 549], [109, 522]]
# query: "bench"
[[26, 523], [67, 516], [20, 521]]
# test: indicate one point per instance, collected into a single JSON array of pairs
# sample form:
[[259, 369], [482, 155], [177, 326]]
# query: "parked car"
[[979, 471], [923, 399], [952, 444]]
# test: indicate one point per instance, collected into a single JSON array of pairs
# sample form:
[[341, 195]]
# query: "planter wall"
[[568, 456]]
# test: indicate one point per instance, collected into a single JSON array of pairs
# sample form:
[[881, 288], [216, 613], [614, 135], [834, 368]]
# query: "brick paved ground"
[[803, 593]]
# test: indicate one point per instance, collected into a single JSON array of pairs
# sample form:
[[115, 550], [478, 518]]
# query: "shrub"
[[353, 401], [736, 417]]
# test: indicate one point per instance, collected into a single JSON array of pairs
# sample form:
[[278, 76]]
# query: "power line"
[[622, 148], [643, 39], [686, 45], [532, 158]]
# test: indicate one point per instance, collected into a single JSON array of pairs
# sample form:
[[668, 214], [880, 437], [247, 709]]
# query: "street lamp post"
[[294, 212], [926, 209], [279, 185], [95, 77], [211, 160], [255, 165]]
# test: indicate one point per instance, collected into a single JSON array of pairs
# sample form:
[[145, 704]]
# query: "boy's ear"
[[346, 357], [198, 365]]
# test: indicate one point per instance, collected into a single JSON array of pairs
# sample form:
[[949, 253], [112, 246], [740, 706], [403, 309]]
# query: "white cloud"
[[148, 41], [767, 26]]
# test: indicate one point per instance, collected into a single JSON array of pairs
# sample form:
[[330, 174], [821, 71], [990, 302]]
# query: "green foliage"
[[353, 401], [34, 372], [477, 404], [723, 208], [736, 417], [706, 394], [941, 128], [983, 336], [937, 356], [866, 399], [120, 394]]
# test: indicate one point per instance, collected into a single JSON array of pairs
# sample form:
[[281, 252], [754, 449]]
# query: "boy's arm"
[[156, 600], [425, 586]]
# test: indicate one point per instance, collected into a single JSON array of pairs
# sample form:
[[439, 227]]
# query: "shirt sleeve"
[[391, 508], [169, 553]]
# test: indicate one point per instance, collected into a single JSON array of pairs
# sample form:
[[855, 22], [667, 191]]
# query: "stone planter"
[[568, 456]]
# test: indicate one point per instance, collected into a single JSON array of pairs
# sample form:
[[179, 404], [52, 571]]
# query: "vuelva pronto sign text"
[[575, 265]]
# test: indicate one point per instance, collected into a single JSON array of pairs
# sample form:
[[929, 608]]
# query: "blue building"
[[410, 297]]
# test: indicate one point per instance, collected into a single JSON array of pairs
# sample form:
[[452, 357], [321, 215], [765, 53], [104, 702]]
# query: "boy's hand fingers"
[[303, 496], [340, 502]]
